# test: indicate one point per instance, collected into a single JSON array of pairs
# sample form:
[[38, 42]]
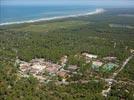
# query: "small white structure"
[[132, 51], [63, 80], [97, 63], [63, 60], [91, 56], [72, 67], [110, 58], [38, 68]]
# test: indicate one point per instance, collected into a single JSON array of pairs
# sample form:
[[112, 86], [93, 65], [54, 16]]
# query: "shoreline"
[[97, 11]]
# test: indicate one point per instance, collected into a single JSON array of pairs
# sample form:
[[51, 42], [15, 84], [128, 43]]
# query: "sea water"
[[24, 14]]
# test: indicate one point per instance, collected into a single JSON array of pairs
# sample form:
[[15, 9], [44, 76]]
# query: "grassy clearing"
[[52, 26]]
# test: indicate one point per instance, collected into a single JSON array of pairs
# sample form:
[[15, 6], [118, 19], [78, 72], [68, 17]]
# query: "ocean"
[[28, 14]]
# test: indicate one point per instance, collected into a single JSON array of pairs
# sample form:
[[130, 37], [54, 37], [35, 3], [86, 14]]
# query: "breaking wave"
[[97, 11]]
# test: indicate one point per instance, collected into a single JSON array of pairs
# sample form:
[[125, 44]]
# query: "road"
[[112, 79], [123, 65]]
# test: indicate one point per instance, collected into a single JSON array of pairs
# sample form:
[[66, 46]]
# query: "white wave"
[[97, 11]]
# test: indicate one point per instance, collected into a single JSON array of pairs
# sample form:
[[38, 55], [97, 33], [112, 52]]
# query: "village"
[[60, 72], [46, 71], [87, 57]]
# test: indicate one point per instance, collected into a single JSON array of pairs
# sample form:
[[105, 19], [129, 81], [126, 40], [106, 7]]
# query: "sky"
[[69, 2]]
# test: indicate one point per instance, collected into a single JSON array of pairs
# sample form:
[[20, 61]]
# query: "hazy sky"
[[69, 2]]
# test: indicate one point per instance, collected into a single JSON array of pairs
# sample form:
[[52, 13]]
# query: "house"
[[41, 60], [62, 74], [96, 65], [52, 68]]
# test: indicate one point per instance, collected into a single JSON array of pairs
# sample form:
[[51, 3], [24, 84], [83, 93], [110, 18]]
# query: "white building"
[[91, 56]]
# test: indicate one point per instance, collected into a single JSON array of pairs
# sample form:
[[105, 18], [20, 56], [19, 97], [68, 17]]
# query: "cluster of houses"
[[44, 70]]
